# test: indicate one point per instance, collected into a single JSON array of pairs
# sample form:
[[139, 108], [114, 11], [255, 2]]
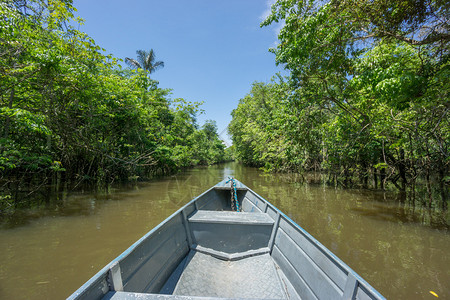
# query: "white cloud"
[[268, 9], [278, 26], [275, 27]]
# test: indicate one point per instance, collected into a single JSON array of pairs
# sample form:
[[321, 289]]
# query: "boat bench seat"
[[231, 217], [230, 232]]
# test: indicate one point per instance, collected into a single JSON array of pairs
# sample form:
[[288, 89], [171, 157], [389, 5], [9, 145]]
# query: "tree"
[[145, 60], [416, 22], [367, 93], [70, 113]]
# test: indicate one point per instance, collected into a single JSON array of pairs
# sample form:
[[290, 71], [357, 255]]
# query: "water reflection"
[[401, 249]]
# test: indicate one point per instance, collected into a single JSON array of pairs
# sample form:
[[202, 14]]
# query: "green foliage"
[[66, 107], [257, 128], [363, 97]]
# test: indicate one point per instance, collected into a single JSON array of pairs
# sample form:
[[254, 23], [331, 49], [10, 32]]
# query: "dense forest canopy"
[[367, 95], [68, 112]]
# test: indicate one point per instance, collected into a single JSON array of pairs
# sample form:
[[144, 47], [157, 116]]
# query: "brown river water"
[[403, 251]]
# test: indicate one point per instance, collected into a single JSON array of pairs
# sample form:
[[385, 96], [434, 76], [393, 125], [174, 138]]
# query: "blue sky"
[[213, 50]]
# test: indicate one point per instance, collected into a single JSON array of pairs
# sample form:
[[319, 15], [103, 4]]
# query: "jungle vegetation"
[[366, 98], [71, 113]]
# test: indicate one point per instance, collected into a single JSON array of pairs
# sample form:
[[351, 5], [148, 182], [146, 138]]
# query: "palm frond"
[[150, 59], [133, 63], [142, 58], [157, 65]]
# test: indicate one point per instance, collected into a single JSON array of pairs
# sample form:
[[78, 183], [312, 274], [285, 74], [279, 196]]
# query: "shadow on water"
[[404, 207], [400, 214], [84, 201]]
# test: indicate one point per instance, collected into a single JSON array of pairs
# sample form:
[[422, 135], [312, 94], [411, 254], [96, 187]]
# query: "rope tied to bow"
[[234, 200]]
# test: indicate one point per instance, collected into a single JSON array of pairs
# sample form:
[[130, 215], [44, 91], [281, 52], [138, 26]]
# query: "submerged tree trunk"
[[382, 178], [402, 169], [375, 178], [429, 191], [443, 187]]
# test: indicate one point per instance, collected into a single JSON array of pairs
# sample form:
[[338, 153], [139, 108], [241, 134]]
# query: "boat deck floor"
[[252, 277]]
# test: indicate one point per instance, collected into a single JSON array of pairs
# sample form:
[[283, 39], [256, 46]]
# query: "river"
[[47, 253]]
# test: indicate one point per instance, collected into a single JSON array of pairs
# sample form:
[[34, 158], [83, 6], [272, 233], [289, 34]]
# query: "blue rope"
[[234, 200]]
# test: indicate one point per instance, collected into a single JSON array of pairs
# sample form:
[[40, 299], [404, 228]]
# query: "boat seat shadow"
[[230, 235], [218, 200]]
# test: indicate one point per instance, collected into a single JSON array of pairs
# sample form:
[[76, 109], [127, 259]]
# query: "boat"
[[227, 243]]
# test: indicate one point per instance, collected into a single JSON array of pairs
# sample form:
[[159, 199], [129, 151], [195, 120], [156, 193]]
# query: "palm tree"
[[145, 60]]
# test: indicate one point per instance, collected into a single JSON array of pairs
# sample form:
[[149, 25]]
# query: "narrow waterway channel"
[[50, 252]]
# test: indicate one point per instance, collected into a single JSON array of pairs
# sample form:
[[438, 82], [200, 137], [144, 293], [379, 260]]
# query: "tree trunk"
[[364, 177], [429, 191], [443, 188], [375, 178], [382, 177], [402, 169]]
